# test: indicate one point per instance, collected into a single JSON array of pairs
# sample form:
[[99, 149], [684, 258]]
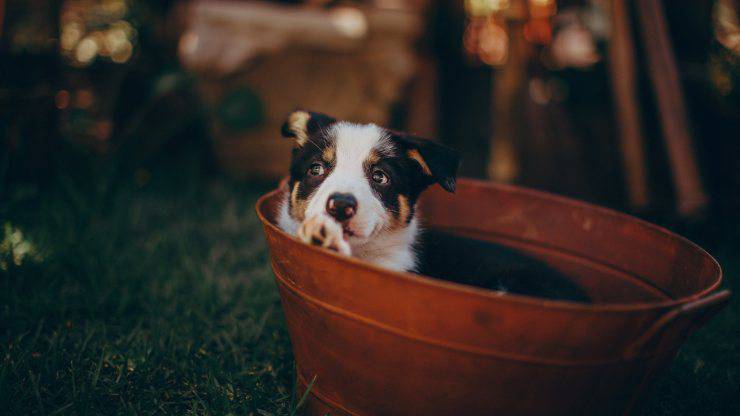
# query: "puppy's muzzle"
[[341, 206]]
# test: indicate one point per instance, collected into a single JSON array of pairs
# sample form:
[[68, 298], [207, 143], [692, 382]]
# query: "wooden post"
[[672, 110], [622, 71], [2, 19], [508, 82]]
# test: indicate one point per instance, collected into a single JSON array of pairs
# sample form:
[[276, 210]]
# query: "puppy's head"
[[366, 177]]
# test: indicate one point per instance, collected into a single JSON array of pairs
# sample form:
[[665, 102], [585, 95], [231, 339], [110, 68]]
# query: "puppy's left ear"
[[438, 162], [301, 124]]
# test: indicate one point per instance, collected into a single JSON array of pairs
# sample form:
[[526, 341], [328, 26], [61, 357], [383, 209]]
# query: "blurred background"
[[630, 105], [135, 136]]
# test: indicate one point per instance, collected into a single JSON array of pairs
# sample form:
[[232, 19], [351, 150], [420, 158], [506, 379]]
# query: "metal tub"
[[385, 343]]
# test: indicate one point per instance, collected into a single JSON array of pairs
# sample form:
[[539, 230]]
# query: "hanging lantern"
[[540, 9], [538, 29], [486, 39]]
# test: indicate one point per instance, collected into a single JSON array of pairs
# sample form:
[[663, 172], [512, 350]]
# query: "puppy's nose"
[[341, 206]]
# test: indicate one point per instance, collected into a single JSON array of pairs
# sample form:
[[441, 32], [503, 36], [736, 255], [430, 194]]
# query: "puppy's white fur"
[[373, 239]]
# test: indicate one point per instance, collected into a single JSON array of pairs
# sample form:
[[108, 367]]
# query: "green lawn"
[[150, 292]]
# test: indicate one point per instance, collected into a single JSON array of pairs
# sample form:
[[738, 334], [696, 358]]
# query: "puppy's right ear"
[[301, 124]]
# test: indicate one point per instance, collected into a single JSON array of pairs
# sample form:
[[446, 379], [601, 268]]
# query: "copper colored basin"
[[385, 343]]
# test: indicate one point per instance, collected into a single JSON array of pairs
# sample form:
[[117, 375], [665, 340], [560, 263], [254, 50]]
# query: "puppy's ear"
[[301, 124], [438, 162]]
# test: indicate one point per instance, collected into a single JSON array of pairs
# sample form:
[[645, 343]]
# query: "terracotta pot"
[[386, 343]]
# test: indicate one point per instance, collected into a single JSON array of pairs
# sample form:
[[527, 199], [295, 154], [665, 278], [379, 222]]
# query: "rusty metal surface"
[[387, 343]]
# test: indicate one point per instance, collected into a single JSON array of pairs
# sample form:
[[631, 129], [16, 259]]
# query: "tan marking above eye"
[[328, 155], [373, 158], [414, 154]]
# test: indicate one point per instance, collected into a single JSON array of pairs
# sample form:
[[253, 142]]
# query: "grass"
[[149, 292], [705, 377], [148, 295]]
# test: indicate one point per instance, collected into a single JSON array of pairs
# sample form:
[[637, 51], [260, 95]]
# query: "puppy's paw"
[[323, 231]]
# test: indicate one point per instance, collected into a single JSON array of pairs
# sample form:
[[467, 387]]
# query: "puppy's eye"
[[380, 177], [316, 169]]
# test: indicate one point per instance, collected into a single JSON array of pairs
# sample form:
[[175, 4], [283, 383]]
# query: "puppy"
[[353, 187]]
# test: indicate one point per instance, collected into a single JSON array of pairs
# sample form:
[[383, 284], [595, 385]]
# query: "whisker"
[[308, 139]]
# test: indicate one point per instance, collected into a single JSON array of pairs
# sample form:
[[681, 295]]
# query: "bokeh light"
[[481, 8], [349, 21], [89, 32]]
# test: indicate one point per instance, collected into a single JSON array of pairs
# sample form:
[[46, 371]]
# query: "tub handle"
[[700, 310]]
